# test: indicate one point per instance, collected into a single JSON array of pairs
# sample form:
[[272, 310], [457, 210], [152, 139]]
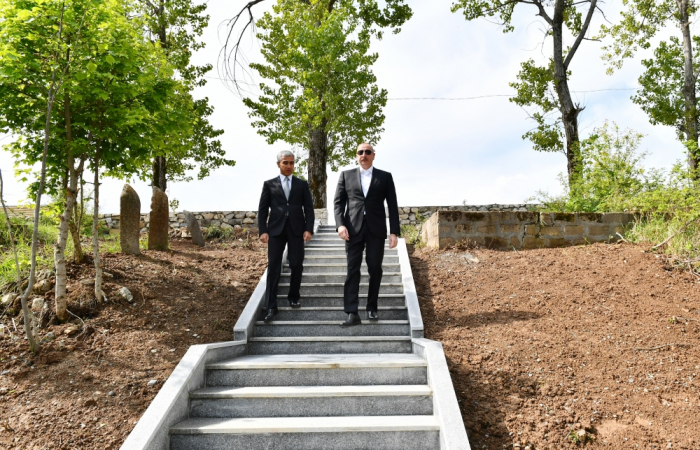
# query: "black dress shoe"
[[352, 320], [372, 315], [295, 303], [271, 313]]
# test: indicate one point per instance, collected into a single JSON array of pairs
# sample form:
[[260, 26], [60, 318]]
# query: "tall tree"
[[669, 84], [176, 26], [564, 19], [321, 96]]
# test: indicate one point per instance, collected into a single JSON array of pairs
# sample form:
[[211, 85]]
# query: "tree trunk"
[[691, 111], [318, 158], [569, 111], [160, 173], [71, 191], [99, 295], [75, 236]]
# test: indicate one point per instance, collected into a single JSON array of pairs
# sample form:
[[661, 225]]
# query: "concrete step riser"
[[302, 314], [365, 329], [325, 348], [384, 440], [338, 301], [400, 405], [283, 290], [321, 251], [365, 376], [309, 269], [342, 260], [325, 278]]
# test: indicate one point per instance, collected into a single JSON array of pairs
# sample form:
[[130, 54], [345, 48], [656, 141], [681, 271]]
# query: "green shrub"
[[411, 233], [218, 233]]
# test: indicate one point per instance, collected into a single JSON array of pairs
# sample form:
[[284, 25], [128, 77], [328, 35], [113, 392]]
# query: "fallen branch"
[[684, 318], [683, 228], [622, 238], [603, 306], [638, 349]]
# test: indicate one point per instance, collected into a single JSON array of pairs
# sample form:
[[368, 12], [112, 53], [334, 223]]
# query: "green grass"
[[684, 245], [411, 233]]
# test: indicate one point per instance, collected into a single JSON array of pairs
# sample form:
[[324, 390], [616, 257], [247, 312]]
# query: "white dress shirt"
[[282, 177], [366, 179]]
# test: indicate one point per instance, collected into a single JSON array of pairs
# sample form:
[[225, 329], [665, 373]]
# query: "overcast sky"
[[441, 152]]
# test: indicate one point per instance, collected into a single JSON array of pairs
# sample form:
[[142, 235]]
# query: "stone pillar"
[[129, 221], [195, 231], [160, 221]]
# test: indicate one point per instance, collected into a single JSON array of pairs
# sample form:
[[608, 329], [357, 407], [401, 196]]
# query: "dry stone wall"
[[221, 219], [522, 230]]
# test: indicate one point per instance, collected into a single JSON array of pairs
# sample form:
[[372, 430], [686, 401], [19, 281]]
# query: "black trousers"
[[295, 255], [374, 250]]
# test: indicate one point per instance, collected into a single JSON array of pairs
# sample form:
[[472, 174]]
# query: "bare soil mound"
[[87, 390], [596, 345]]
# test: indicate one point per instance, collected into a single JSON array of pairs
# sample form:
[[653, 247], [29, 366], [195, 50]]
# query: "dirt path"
[[87, 391], [547, 347]]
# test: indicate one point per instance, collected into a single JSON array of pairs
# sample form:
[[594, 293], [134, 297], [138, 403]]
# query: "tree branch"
[[581, 34], [229, 54]]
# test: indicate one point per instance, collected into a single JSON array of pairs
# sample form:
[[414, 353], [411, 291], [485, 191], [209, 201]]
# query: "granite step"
[[311, 401], [287, 313], [278, 328], [328, 345], [308, 433], [341, 259], [342, 268], [319, 370], [338, 277], [336, 299], [337, 288]]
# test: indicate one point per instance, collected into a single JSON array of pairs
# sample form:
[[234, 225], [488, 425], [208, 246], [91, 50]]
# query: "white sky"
[[440, 152]]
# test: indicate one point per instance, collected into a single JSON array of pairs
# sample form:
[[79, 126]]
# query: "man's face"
[[364, 159], [286, 166]]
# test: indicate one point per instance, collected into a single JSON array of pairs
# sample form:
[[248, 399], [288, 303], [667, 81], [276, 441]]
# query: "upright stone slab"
[[195, 231], [160, 221], [129, 221]]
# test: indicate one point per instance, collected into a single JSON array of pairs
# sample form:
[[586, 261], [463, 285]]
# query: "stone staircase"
[[306, 383]]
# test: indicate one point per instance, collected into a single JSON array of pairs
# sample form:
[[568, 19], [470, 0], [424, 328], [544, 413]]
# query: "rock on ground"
[[195, 230], [129, 221], [160, 221]]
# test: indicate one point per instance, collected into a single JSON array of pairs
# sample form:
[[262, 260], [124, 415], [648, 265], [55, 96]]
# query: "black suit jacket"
[[299, 208], [351, 203]]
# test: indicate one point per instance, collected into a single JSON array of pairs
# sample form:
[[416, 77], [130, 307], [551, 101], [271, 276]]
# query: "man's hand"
[[393, 241], [343, 233], [264, 238], [307, 236]]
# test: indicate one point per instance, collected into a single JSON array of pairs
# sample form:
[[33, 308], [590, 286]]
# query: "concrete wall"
[[522, 230]]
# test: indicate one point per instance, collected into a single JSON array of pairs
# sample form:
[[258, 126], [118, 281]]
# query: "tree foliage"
[[546, 88], [321, 95]]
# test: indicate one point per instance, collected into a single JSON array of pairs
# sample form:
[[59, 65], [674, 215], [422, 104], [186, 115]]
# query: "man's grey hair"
[[284, 154]]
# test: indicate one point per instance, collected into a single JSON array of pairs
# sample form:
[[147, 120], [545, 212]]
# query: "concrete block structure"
[[522, 229]]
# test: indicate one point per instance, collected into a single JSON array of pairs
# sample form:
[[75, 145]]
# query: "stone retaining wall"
[[522, 230], [416, 215], [221, 219]]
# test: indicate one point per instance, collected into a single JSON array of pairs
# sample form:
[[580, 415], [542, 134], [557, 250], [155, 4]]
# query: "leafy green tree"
[[175, 26], [546, 88], [106, 114], [669, 84], [321, 96]]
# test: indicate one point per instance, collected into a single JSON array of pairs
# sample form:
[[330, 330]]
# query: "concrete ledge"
[[453, 435], [171, 405], [409, 290]]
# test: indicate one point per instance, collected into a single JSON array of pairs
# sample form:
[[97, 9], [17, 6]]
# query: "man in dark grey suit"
[[361, 222], [287, 201]]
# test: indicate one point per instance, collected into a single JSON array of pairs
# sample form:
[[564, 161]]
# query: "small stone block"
[[550, 231], [574, 229], [558, 242], [533, 242], [599, 230]]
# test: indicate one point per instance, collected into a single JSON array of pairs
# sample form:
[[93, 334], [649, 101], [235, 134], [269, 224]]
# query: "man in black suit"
[[361, 222], [287, 201]]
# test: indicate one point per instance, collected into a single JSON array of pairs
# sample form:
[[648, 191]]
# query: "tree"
[[175, 26], [112, 94], [669, 85], [321, 96], [546, 88]]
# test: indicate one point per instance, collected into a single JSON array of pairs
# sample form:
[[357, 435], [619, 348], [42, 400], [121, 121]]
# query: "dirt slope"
[[548, 347]]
